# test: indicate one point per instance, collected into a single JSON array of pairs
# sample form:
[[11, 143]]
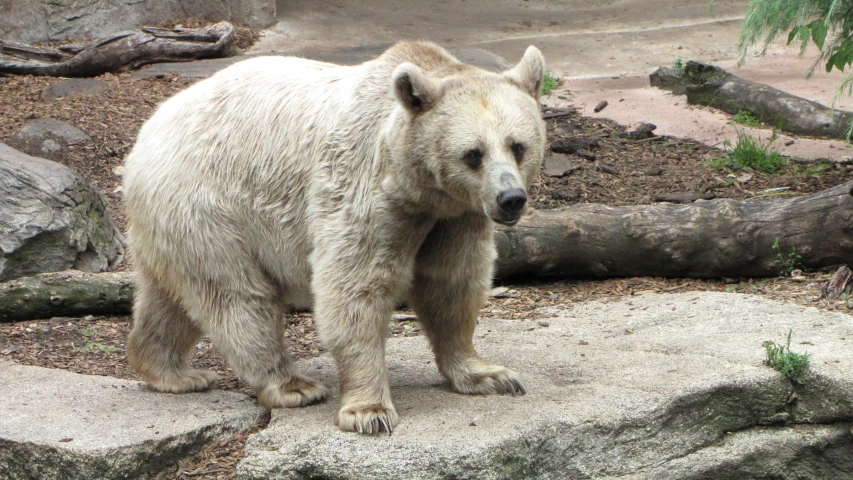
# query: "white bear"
[[283, 182]]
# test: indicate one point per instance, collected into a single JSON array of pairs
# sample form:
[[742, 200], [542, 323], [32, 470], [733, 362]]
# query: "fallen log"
[[121, 52], [705, 239], [714, 87], [66, 293]]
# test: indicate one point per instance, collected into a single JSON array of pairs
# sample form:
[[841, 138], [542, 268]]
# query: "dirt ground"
[[606, 167]]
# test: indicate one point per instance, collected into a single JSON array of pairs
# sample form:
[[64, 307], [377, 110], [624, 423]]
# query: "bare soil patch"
[[606, 168]]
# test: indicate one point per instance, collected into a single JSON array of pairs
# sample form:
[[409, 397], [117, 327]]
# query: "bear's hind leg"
[[249, 330], [161, 341]]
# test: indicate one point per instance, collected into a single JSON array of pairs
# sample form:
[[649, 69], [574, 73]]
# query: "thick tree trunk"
[[705, 239], [66, 293], [714, 87], [123, 51]]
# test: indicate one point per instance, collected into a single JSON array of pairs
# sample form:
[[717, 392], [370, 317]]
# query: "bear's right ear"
[[414, 90]]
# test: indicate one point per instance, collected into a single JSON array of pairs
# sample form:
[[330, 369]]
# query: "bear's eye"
[[518, 151], [473, 158]]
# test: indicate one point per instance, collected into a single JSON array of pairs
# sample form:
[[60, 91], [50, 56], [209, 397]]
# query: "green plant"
[[549, 84], [846, 297], [816, 169], [789, 264], [791, 364], [750, 152], [678, 64], [91, 346], [745, 118]]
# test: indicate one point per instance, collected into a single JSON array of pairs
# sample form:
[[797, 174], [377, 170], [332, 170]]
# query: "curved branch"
[[121, 52]]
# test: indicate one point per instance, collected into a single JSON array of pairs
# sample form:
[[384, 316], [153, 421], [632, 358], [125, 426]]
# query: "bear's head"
[[467, 139]]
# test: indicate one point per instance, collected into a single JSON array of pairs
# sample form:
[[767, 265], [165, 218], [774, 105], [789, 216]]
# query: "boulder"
[[48, 138], [51, 219], [61, 425], [31, 21], [653, 386]]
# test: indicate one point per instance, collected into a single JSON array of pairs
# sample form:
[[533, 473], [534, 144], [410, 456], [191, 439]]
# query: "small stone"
[[543, 323], [50, 146], [643, 131], [601, 106], [684, 197], [557, 165], [605, 168], [498, 291]]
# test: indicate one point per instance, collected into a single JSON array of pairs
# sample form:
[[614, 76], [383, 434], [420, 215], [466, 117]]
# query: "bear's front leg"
[[453, 273], [352, 325]]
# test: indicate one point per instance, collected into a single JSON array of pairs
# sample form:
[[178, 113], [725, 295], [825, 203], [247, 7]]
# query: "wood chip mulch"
[[607, 166]]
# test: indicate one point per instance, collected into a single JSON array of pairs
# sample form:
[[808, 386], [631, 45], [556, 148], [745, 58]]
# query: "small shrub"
[[549, 84], [91, 346], [791, 364], [678, 64], [789, 264], [749, 152], [745, 118]]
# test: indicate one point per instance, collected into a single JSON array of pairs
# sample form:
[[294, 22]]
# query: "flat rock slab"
[[57, 424], [654, 386], [75, 87]]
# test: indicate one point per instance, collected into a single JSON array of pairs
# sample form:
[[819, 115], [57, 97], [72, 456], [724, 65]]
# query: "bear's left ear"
[[416, 91], [529, 74]]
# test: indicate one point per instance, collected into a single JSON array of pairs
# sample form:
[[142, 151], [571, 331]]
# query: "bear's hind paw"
[[189, 380], [485, 379], [298, 391]]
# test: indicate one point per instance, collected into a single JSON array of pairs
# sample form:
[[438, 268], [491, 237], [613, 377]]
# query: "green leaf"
[[793, 34], [819, 32]]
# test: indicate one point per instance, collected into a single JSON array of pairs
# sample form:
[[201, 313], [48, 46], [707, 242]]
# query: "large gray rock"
[[60, 425], [51, 219], [39, 20], [655, 386]]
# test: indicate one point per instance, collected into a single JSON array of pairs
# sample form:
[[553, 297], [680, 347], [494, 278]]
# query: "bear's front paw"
[[297, 391], [475, 376], [369, 419]]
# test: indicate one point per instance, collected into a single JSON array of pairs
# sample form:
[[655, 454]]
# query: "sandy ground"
[[603, 50]]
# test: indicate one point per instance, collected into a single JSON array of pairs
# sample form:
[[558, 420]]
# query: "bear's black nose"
[[512, 201]]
